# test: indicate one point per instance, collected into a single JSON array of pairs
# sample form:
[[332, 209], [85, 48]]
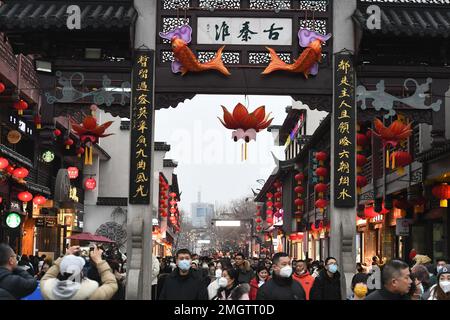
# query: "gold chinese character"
[[142, 112], [141, 165], [344, 65], [344, 127], [344, 167], [344, 114], [344, 154], [143, 73], [141, 153], [344, 104], [344, 142], [142, 99], [344, 81], [142, 140], [344, 194], [140, 178], [344, 93], [140, 191], [344, 181], [142, 86], [142, 126], [143, 61]]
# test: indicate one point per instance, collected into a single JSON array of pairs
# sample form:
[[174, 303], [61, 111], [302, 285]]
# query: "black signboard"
[[40, 222], [141, 126], [50, 222], [344, 131]]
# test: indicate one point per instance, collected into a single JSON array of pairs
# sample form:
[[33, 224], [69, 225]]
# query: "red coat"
[[254, 288], [306, 280]]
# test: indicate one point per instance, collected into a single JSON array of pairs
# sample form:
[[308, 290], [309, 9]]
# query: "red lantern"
[[25, 196], [277, 184], [20, 173], [20, 106], [90, 184], [258, 228], [299, 202], [321, 204], [73, 172], [57, 132], [361, 140], [39, 200], [321, 172], [38, 121], [321, 188], [172, 194], [299, 189], [361, 160], [80, 151], [269, 203], [269, 220], [164, 213], [277, 194], [369, 212], [2, 87], [361, 182], [68, 143], [400, 159], [269, 212], [3, 163], [258, 213], [10, 169], [299, 176], [269, 195], [321, 157], [258, 220], [278, 205]]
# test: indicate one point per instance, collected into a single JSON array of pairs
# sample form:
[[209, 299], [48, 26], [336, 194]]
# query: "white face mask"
[[286, 272], [223, 282], [218, 273], [445, 286]]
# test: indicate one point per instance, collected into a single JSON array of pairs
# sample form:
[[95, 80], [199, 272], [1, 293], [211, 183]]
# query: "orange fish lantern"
[[308, 61], [185, 59], [90, 132], [245, 124]]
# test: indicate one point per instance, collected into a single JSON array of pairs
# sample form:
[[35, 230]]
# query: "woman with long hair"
[[441, 290], [229, 287], [262, 275]]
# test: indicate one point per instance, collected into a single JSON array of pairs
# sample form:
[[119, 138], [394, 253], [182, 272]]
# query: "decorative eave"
[[15, 156], [112, 201], [435, 152], [103, 154], [169, 163], [38, 188], [161, 146]]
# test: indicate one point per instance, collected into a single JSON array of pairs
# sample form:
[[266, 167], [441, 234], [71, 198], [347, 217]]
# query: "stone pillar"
[[139, 228], [343, 221]]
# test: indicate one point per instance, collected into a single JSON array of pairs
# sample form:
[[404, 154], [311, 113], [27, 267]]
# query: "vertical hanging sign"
[[344, 131], [141, 126]]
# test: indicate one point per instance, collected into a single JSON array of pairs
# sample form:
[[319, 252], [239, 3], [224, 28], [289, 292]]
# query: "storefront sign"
[[48, 156], [50, 222], [73, 194], [402, 227], [13, 220], [14, 136], [40, 222], [244, 31], [141, 126], [344, 131]]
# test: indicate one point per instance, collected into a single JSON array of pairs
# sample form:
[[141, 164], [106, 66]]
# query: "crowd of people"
[[100, 275]]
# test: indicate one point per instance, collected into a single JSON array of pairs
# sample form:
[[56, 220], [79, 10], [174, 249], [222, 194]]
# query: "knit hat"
[[71, 264], [444, 269]]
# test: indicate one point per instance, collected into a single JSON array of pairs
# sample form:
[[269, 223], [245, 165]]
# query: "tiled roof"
[[408, 21], [169, 163], [112, 201], [18, 14]]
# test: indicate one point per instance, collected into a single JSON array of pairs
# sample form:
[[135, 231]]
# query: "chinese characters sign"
[[244, 31], [344, 131], [141, 126]]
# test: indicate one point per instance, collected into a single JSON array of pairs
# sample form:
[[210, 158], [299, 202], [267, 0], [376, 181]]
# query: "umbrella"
[[86, 236]]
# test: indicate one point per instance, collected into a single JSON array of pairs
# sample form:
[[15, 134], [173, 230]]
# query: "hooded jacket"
[[254, 286], [54, 289], [245, 272], [326, 288], [16, 284], [189, 287], [306, 280], [279, 288]]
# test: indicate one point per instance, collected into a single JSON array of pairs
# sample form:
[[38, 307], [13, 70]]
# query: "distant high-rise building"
[[201, 213]]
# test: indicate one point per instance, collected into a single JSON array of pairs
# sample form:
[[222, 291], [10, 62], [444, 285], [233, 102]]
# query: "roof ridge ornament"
[[383, 100]]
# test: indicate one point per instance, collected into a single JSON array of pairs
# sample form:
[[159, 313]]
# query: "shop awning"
[[17, 14], [421, 21]]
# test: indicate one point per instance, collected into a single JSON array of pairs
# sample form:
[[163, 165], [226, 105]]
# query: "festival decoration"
[[25, 197], [39, 200], [90, 184], [442, 192], [38, 121], [321, 204], [393, 134], [57, 132], [68, 143], [185, 59], [361, 182], [20, 174], [299, 190], [321, 156], [73, 172], [308, 61], [80, 152], [3, 163], [258, 219], [2, 87], [399, 160], [269, 211], [20, 106], [90, 132]]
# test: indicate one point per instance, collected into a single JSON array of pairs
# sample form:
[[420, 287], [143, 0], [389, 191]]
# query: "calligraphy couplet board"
[[141, 126], [344, 131]]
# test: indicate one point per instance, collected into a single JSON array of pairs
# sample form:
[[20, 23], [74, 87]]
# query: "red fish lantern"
[[90, 184], [442, 192], [20, 106], [90, 132], [393, 134]]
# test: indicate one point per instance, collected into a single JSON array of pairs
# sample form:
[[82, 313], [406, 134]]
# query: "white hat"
[[71, 264]]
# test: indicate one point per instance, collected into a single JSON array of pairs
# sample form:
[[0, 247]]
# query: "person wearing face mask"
[[359, 286], [184, 283], [215, 284], [440, 263], [421, 281], [262, 276], [230, 289], [327, 285], [441, 290], [301, 274], [281, 286]]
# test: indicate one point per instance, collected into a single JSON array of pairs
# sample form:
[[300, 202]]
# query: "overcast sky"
[[208, 159]]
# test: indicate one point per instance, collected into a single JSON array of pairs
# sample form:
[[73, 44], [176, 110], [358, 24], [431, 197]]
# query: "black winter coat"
[[245, 276], [383, 294], [189, 287], [278, 288], [18, 283], [326, 288]]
